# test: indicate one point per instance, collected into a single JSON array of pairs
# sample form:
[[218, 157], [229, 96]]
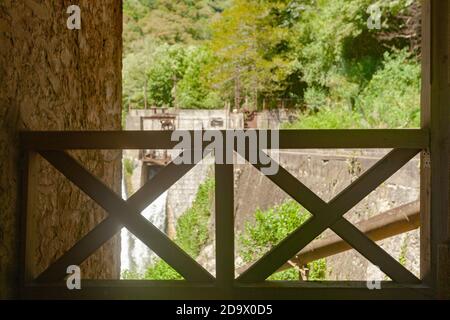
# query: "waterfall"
[[135, 256]]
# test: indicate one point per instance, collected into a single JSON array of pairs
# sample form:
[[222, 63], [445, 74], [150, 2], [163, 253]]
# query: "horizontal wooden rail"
[[388, 224], [251, 283], [182, 290], [289, 139]]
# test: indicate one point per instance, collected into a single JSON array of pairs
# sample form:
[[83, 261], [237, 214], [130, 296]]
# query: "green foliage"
[[135, 72], [191, 232], [130, 275], [235, 45], [162, 271], [252, 41], [318, 54], [355, 78], [129, 166], [163, 52], [327, 118], [285, 275], [271, 227], [392, 98], [169, 65], [193, 91], [173, 75], [403, 252], [168, 21], [192, 226]]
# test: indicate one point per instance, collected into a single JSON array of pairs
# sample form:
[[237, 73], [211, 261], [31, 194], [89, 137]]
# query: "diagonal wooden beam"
[[82, 250], [296, 189], [327, 215], [374, 253], [357, 191], [109, 227], [129, 216]]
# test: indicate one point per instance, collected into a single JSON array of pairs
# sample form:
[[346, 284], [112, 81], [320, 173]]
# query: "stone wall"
[[53, 78]]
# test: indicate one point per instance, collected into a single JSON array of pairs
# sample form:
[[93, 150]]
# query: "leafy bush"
[[271, 227], [162, 271], [191, 232], [392, 97], [130, 275], [192, 226], [327, 118], [129, 166]]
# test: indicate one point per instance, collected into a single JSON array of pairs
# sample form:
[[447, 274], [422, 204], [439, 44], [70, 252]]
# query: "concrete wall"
[[53, 78], [186, 119], [272, 119]]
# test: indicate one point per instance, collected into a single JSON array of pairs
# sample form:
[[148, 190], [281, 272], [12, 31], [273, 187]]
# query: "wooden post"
[[425, 170], [28, 217], [224, 214], [435, 117]]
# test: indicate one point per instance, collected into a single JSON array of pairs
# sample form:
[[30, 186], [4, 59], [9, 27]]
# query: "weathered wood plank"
[[224, 225], [435, 118], [182, 290], [29, 176], [289, 139]]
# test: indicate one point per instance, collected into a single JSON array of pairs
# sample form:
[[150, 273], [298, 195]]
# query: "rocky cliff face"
[[53, 78]]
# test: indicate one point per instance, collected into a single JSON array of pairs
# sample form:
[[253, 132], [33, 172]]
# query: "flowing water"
[[136, 257]]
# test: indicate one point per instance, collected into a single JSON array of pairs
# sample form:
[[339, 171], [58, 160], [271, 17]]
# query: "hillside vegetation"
[[324, 58]]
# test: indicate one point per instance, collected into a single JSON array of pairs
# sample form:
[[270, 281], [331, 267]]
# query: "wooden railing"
[[405, 144]]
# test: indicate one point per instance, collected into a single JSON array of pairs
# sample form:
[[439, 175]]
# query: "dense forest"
[[339, 63]]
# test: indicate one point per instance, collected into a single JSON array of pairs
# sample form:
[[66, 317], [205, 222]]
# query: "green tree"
[[194, 90], [252, 41], [135, 72], [234, 43], [168, 68]]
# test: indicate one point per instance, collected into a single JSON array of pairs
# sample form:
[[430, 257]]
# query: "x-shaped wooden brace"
[[331, 215], [122, 213]]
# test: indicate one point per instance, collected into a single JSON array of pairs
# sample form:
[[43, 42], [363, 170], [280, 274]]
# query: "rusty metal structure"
[[167, 123]]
